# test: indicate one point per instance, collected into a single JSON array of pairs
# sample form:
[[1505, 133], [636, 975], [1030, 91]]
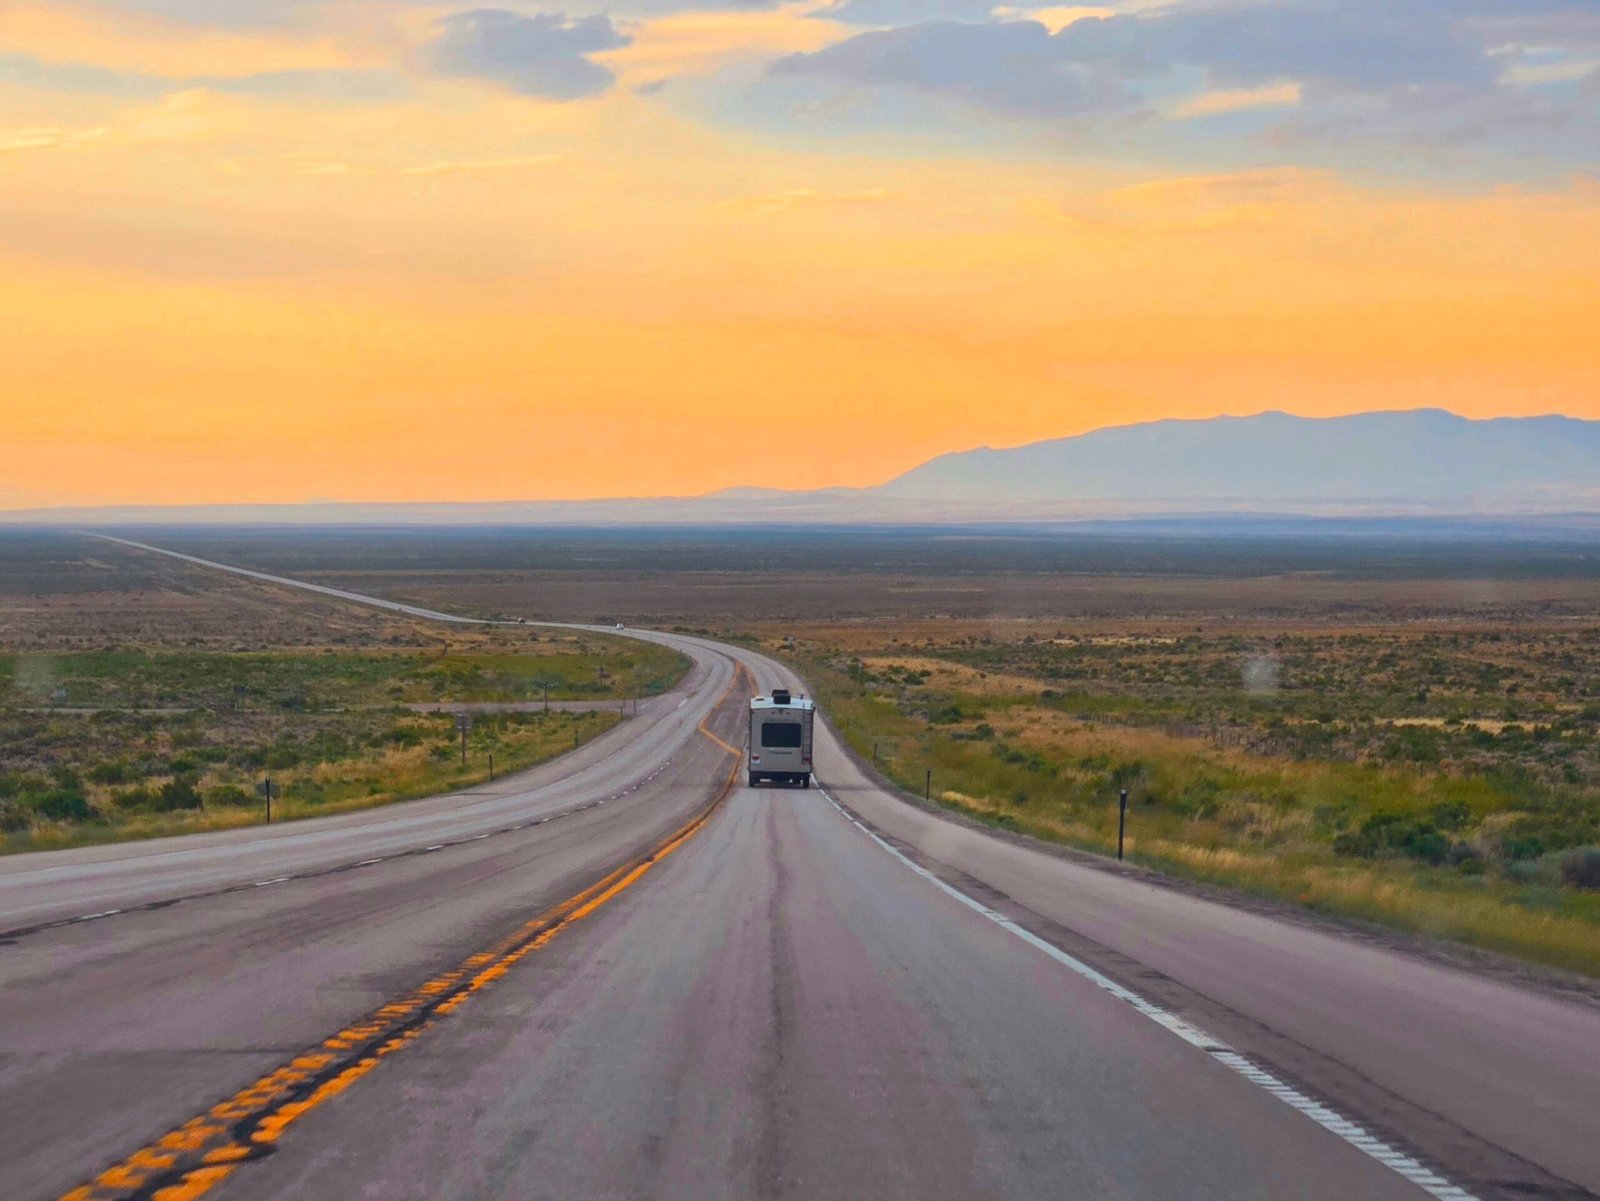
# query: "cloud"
[[887, 13], [478, 166], [1387, 70], [545, 55], [353, 84], [47, 138], [1211, 104], [1571, 27], [1353, 45], [905, 12], [1014, 66], [1194, 203], [782, 202], [230, 14]]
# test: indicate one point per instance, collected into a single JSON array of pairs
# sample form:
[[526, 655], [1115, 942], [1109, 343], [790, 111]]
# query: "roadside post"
[[265, 789], [463, 727], [1122, 819], [927, 785], [491, 765]]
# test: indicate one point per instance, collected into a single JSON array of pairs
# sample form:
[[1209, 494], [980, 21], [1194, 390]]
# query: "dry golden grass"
[[958, 677]]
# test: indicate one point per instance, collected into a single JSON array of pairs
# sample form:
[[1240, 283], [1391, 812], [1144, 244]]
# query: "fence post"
[[1122, 820]]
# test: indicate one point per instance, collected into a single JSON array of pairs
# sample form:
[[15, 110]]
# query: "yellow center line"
[[740, 673], [190, 1160], [731, 749]]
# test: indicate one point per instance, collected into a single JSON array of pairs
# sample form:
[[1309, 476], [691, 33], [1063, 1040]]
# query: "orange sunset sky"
[[262, 251]]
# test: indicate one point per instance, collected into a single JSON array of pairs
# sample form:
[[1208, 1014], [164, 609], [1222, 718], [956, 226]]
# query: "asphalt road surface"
[[573, 983]]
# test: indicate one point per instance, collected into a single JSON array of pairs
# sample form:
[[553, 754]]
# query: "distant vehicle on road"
[[620, 626], [780, 738]]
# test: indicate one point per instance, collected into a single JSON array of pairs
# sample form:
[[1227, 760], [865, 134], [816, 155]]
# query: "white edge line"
[[1351, 1132]]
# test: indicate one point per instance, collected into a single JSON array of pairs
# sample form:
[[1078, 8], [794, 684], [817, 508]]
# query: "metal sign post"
[[1122, 820], [463, 727]]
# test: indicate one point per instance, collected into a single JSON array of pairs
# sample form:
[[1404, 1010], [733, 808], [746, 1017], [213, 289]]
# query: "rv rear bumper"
[[800, 778]]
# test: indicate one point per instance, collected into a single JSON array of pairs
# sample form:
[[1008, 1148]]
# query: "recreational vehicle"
[[780, 738]]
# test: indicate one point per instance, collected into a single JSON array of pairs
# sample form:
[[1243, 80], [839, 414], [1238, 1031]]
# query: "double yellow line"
[[190, 1160]]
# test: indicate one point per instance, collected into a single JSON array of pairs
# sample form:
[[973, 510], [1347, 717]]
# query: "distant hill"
[[1424, 460], [1418, 463]]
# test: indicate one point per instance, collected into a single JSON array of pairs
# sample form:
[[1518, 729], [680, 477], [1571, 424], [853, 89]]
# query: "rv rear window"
[[780, 733]]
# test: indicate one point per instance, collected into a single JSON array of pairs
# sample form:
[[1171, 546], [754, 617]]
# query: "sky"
[[261, 250]]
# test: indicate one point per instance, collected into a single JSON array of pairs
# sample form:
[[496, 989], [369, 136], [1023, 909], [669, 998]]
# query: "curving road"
[[819, 994]]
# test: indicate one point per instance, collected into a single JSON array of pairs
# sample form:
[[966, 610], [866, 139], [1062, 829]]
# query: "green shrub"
[[134, 798], [281, 757], [1394, 834], [113, 771], [1580, 868], [63, 805], [230, 796], [1522, 871], [178, 793]]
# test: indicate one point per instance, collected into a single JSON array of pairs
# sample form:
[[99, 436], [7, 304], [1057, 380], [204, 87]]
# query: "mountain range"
[[1421, 462]]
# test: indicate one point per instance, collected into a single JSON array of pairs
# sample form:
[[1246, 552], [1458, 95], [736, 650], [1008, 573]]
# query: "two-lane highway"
[[782, 1005]]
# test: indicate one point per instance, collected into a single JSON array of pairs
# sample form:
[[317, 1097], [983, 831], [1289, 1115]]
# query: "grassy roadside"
[[225, 799], [97, 746], [1449, 854]]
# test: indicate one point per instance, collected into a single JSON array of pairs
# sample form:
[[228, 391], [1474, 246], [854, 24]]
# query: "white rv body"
[[780, 738]]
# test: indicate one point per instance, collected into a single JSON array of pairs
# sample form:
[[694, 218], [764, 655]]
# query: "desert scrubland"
[[1401, 731], [142, 696]]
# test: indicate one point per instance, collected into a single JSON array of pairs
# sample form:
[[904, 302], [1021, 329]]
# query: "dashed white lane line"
[[89, 917], [1351, 1132], [274, 880], [438, 846], [370, 862]]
